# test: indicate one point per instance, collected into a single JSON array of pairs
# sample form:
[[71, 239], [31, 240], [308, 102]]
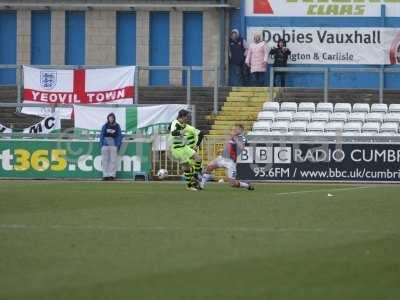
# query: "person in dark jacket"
[[280, 55], [237, 51], [110, 142]]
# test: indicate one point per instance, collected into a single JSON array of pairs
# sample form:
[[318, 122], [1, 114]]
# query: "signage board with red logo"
[[321, 8]]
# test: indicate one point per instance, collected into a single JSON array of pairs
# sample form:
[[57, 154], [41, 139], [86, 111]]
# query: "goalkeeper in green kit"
[[185, 140]]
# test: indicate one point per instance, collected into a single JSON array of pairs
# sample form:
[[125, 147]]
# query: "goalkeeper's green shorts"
[[183, 154]]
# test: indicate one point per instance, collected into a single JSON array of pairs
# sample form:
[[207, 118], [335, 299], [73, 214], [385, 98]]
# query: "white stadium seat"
[[394, 108], [306, 106], [266, 116], [262, 126], [343, 107], [389, 127], [283, 116], [356, 117], [299, 126], [302, 116], [371, 127], [271, 106], [324, 107], [338, 117], [361, 107], [334, 126], [352, 127], [320, 116], [316, 126], [374, 117], [391, 117], [379, 108], [289, 106], [281, 126]]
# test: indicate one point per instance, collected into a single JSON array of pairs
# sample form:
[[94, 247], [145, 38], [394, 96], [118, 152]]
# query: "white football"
[[162, 174]]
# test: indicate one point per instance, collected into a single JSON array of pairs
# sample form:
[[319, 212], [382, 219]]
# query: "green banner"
[[56, 159]]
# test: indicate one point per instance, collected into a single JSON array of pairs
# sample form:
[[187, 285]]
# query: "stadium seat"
[[281, 126], [262, 126], [374, 117], [356, 117], [324, 107], [266, 116], [299, 126], [283, 116], [320, 116], [394, 108], [361, 108], [334, 126], [390, 127], [338, 117], [391, 117], [289, 106], [306, 106], [371, 127], [271, 106], [354, 127], [302, 116], [343, 107], [379, 108], [316, 126]]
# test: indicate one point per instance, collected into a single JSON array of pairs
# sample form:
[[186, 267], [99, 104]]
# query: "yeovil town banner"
[[130, 119], [89, 86], [325, 45], [321, 8]]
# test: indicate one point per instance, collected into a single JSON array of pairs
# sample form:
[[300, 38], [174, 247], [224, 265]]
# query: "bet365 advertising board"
[[27, 158]]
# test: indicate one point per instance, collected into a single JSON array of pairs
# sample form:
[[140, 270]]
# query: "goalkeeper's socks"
[[206, 177]]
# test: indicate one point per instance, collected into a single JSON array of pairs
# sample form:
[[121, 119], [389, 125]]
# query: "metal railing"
[[326, 71], [186, 70]]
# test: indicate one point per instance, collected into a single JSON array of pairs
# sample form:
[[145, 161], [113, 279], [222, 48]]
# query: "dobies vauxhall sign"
[[321, 8], [327, 45]]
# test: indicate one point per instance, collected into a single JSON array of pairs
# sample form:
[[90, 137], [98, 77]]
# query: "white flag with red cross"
[[79, 86]]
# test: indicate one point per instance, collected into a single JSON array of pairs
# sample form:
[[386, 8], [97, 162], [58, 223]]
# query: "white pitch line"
[[324, 190], [190, 229]]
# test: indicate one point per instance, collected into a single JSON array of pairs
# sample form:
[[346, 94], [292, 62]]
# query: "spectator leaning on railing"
[[256, 59], [237, 52], [281, 55], [110, 142]]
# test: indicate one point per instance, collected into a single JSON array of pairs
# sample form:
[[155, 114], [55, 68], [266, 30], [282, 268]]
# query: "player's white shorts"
[[228, 164]]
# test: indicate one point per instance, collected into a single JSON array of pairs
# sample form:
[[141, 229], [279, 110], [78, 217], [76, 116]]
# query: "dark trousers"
[[258, 78], [236, 75], [279, 76]]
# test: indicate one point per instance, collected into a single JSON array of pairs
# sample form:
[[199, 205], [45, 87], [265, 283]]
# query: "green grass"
[[68, 240]]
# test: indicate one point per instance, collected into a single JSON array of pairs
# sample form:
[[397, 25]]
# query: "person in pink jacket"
[[257, 57]]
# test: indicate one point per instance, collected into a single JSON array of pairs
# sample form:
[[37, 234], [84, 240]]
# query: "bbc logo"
[[265, 155]]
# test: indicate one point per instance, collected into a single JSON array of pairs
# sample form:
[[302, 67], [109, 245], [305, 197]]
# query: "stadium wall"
[[170, 34]]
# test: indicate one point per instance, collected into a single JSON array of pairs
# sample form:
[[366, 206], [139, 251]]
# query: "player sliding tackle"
[[227, 160], [185, 140]]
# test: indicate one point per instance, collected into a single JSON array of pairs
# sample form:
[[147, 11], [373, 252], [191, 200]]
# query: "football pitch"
[[139, 241]]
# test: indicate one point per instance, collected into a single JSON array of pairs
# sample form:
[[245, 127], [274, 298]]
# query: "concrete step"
[[247, 99], [228, 127], [249, 117], [250, 89], [232, 122], [242, 110], [243, 104]]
